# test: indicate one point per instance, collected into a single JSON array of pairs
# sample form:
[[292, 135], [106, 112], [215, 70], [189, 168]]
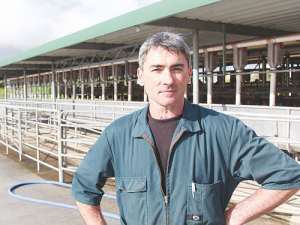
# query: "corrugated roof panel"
[[214, 38], [267, 13]]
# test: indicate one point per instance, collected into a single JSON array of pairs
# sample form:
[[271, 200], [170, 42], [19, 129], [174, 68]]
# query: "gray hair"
[[169, 41]]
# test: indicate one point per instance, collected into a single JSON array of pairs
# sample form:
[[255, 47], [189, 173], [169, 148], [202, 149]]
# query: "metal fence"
[[39, 132], [64, 131]]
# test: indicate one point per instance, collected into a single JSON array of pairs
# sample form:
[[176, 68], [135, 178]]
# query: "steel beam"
[[93, 46], [196, 67], [27, 66], [53, 96], [25, 85], [49, 59]]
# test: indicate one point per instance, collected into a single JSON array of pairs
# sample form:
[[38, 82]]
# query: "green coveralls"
[[209, 155]]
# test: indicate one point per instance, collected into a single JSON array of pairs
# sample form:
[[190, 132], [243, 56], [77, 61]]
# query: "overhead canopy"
[[119, 38]]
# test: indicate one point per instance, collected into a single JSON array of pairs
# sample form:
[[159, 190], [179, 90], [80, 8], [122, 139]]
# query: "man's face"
[[165, 76]]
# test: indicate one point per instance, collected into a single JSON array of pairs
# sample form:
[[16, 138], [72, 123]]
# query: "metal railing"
[[64, 131], [65, 135]]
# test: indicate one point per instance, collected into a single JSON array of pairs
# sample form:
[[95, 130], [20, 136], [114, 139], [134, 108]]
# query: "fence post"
[[65, 147], [12, 125], [60, 147], [37, 140], [6, 130], [20, 135], [25, 118], [3, 127], [288, 133], [114, 116]]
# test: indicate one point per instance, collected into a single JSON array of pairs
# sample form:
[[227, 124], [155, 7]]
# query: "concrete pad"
[[15, 211]]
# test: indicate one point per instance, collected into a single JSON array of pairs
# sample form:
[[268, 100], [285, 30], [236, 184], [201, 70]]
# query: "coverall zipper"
[[170, 150], [153, 148]]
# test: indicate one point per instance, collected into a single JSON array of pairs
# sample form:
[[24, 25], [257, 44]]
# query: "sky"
[[25, 24]]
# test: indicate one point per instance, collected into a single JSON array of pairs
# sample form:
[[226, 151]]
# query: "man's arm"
[[258, 204], [91, 214]]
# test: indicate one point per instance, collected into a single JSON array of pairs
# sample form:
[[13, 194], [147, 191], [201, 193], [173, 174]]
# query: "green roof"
[[151, 12]]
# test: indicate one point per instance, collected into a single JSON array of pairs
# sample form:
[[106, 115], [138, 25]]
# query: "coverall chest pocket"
[[203, 204], [132, 199]]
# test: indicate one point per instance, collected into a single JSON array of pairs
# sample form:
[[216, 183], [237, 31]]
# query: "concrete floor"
[[15, 211]]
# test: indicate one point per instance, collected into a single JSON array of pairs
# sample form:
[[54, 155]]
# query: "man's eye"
[[177, 69], [156, 70]]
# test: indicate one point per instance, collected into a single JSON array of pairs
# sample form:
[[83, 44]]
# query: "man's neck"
[[161, 112]]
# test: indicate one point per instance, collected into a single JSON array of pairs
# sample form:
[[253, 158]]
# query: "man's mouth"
[[168, 91]]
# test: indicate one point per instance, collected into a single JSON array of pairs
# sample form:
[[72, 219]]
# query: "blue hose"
[[11, 193]]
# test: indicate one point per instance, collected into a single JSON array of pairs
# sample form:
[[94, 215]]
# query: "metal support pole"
[[60, 147], [12, 90], [39, 83], [66, 85], [224, 50], [238, 98], [73, 84], [35, 96], [292, 74], [209, 80], [103, 82], [46, 91], [58, 85], [264, 75], [91, 75], [288, 73], [30, 91], [196, 67], [20, 135], [129, 90], [288, 131], [15, 91], [18, 91], [66, 90], [25, 85], [115, 82], [2, 128], [37, 140], [81, 77], [6, 130], [272, 100], [5, 87], [220, 79], [130, 75], [53, 85]]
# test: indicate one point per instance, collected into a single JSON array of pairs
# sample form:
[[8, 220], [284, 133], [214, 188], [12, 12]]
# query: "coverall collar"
[[189, 121]]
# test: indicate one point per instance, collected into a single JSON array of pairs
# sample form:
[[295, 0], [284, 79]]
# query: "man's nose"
[[167, 77]]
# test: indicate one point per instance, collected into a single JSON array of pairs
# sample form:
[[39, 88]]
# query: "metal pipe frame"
[[61, 130]]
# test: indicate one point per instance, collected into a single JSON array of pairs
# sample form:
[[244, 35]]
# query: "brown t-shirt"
[[162, 131]]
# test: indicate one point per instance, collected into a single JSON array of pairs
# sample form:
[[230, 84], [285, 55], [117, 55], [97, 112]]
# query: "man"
[[179, 163]]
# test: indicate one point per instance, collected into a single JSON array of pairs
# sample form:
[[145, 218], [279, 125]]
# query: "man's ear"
[[140, 76]]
